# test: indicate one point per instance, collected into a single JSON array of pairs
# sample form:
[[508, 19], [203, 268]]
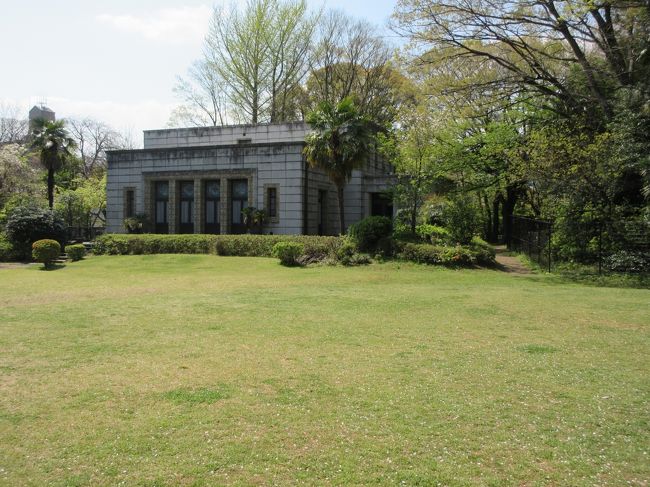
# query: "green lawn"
[[201, 370]]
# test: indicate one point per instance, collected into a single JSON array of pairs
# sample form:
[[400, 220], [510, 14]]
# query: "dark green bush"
[[288, 252], [27, 224], [75, 252], [46, 251], [439, 255], [462, 219], [137, 224], [7, 253], [366, 233], [485, 253], [628, 261], [316, 248], [433, 234]]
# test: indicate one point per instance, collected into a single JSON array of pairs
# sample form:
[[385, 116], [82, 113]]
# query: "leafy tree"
[[339, 144], [53, 144], [18, 177]]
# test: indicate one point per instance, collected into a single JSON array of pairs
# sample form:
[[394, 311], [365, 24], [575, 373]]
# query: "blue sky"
[[115, 61]]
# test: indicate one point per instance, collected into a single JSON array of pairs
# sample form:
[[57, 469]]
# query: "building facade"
[[198, 180]]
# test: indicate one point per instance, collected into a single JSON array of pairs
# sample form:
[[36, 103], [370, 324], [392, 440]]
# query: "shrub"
[[485, 253], [136, 224], [46, 251], [628, 261], [27, 224], [288, 252], [433, 234], [438, 255], [75, 252], [7, 253], [316, 248], [461, 219], [366, 233]]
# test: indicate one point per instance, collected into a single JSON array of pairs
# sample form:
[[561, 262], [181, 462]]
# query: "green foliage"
[[461, 219], [316, 247], [7, 252], [458, 256], [75, 252], [54, 146], [485, 253], [340, 142], [136, 224], [433, 234], [288, 252], [628, 261], [46, 251], [367, 232], [26, 224]]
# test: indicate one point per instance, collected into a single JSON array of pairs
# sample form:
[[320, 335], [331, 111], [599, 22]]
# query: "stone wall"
[[228, 135], [279, 164]]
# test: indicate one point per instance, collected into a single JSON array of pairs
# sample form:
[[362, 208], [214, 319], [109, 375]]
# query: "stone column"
[[173, 206], [224, 215], [199, 206]]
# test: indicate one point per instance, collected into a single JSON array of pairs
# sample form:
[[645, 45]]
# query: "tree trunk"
[[50, 187], [339, 188], [494, 233]]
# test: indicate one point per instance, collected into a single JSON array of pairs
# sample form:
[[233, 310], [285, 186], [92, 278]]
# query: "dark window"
[[130, 203], [239, 201], [212, 206], [187, 207], [381, 205], [272, 197], [161, 196]]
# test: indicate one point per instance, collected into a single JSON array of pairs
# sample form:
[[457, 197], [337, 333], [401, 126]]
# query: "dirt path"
[[509, 264]]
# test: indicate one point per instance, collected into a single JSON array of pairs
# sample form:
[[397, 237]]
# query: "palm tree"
[[339, 144], [54, 145]]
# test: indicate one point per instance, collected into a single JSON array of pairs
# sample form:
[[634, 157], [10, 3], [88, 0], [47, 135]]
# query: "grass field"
[[201, 370]]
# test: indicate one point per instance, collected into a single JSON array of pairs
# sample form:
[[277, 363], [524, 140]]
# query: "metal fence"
[[533, 238], [618, 246]]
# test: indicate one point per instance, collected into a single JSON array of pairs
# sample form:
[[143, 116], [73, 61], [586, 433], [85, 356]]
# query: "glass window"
[[212, 190], [272, 201], [187, 190], [130, 203], [162, 190], [240, 189]]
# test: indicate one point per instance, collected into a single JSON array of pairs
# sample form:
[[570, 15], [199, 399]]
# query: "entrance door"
[[161, 198], [238, 201], [322, 211], [186, 207], [212, 207]]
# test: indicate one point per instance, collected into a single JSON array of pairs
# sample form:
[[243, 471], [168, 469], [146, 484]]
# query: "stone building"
[[198, 180]]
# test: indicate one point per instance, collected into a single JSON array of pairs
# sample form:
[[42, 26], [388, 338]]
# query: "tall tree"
[[92, 139], [53, 145], [539, 47], [340, 143]]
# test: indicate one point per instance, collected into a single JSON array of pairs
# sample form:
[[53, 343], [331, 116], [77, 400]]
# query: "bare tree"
[[350, 59], [13, 127], [204, 96], [92, 139]]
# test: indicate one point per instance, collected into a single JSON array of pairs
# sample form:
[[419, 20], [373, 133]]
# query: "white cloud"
[[179, 25]]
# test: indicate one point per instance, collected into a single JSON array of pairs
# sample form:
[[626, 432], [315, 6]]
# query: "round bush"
[[75, 252], [46, 251], [367, 233], [288, 252], [27, 224]]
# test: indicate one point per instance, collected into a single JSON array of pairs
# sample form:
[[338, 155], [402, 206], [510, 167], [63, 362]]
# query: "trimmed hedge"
[[46, 251], [230, 245], [369, 231], [75, 252]]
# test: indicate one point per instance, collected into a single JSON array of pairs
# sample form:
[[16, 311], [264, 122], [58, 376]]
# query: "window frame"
[[267, 202]]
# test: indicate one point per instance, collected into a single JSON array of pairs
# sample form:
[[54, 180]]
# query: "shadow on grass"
[[52, 267]]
